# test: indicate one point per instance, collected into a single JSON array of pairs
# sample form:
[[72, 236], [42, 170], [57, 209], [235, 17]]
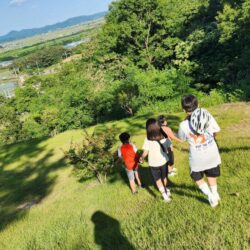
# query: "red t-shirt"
[[128, 153]]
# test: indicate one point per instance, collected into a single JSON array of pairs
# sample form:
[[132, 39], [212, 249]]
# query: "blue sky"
[[22, 14]]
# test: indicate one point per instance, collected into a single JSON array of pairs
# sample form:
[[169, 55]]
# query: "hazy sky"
[[22, 14]]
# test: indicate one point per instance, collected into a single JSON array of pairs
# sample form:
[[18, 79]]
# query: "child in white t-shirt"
[[199, 130], [155, 147]]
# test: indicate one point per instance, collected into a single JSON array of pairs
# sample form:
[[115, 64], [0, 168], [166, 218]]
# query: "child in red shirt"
[[128, 153]]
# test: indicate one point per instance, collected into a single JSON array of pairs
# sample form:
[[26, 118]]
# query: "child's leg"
[[165, 182], [212, 181], [131, 178], [203, 186], [162, 189], [137, 177], [212, 175], [157, 175], [164, 179], [171, 162], [213, 186], [164, 174], [132, 186], [198, 178]]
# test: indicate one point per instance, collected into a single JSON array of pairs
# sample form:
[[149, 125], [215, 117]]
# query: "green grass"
[[69, 214]]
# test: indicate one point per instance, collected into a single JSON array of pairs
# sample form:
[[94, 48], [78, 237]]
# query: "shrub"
[[93, 157], [215, 97]]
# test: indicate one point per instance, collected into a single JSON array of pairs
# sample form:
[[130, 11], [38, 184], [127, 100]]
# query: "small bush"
[[236, 95], [93, 157], [215, 97]]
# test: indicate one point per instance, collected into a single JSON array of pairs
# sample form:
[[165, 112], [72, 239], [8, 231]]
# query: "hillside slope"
[[43, 206]]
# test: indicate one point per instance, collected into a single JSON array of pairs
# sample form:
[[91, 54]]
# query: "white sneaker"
[[213, 201], [172, 173], [174, 169], [167, 199]]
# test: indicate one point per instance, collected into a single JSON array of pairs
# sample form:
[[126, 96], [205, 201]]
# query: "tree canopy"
[[148, 54]]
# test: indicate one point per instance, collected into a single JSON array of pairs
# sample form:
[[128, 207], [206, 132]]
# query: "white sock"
[[214, 189], [163, 192], [205, 189], [168, 192]]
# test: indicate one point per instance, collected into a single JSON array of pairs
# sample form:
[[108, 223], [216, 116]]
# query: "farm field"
[[65, 32], [22, 47], [44, 206]]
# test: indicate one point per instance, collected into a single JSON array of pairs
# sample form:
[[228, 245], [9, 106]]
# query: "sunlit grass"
[[67, 214]]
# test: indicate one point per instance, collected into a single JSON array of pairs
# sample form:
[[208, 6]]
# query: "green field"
[[43, 206], [23, 47]]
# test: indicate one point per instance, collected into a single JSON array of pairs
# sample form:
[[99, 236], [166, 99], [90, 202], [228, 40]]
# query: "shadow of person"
[[147, 180], [108, 233]]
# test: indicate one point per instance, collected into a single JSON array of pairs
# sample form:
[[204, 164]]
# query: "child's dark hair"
[[153, 130], [161, 119], [124, 137], [189, 103]]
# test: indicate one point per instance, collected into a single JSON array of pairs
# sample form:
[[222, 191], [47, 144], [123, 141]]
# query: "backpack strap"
[[162, 147], [163, 132]]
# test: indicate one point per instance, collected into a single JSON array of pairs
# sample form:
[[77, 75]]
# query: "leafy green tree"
[[93, 157], [10, 125], [42, 58]]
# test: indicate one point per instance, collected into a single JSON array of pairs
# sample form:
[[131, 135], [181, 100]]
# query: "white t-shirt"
[[203, 150], [156, 156]]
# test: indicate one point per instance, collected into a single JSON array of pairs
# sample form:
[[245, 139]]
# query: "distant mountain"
[[14, 35]]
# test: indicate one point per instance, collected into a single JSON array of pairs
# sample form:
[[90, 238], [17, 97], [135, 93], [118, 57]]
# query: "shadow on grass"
[[136, 125], [147, 179], [228, 150], [27, 181], [120, 174], [187, 190], [108, 234]]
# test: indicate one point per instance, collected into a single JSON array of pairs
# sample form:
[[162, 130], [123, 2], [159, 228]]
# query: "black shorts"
[[212, 172], [159, 172]]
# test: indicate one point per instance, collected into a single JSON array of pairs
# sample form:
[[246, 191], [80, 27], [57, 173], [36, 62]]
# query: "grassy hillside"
[[43, 206]]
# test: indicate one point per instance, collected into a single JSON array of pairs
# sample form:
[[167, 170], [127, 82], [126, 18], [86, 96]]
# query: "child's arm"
[[118, 161], [119, 154], [171, 134], [171, 155], [144, 155]]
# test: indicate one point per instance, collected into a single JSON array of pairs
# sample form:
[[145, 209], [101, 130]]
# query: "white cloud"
[[17, 2]]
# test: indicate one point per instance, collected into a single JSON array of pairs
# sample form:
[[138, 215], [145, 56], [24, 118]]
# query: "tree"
[[93, 157], [42, 58]]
